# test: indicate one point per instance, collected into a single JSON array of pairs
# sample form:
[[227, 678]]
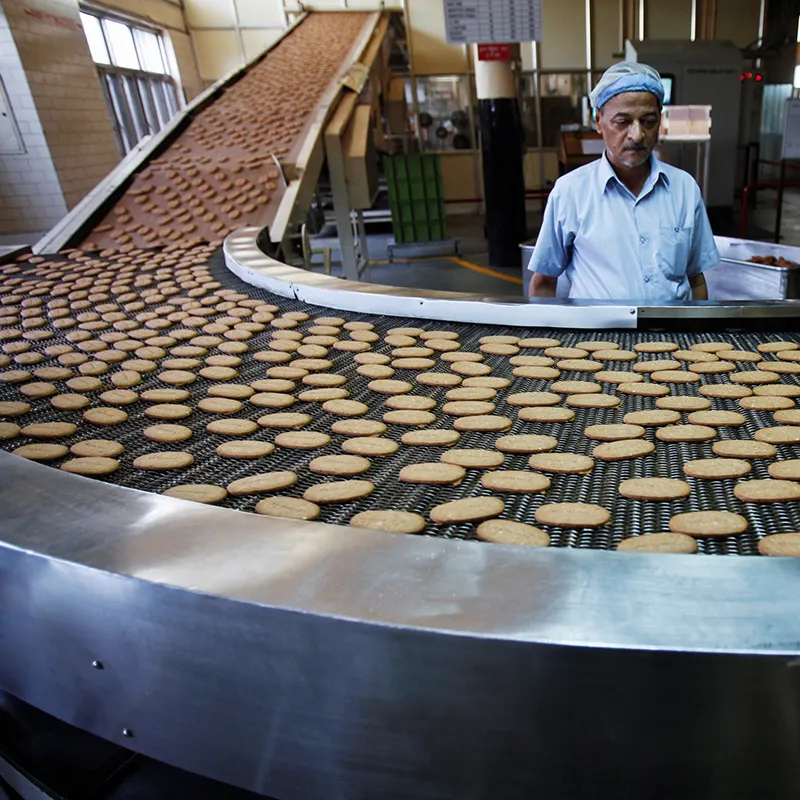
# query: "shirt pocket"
[[674, 244]]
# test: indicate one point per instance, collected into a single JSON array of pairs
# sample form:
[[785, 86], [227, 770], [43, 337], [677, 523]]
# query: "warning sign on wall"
[[494, 52], [475, 21]]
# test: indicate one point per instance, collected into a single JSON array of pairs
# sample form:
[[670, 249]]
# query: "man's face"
[[629, 125]]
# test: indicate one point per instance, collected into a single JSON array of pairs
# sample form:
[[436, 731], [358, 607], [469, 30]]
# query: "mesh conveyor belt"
[[600, 486]]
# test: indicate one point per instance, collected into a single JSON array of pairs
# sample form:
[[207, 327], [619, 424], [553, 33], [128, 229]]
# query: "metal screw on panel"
[[98, 664], [127, 732]]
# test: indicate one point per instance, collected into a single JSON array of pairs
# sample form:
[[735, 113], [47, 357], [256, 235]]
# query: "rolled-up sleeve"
[[703, 253], [551, 256]]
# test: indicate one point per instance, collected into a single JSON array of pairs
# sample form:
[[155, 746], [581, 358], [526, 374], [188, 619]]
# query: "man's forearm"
[[699, 287], [542, 286]]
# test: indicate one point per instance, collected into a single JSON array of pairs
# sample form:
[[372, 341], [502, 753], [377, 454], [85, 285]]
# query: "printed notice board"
[[791, 130], [488, 21]]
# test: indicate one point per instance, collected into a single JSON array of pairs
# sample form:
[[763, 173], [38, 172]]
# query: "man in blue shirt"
[[625, 227]]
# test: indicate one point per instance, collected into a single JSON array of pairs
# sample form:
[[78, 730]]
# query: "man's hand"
[[543, 285], [699, 287]]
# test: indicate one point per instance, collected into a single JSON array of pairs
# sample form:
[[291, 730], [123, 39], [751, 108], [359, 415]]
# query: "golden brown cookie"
[[167, 459], [118, 397], [169, 411], [431, 438], [778, 434], [263, 483], [572, 515], [674, 376], [562, 463], [768, 490], [708, 523], [750, 377], [389, 521], [534, 373], [468, 509], [788, 470], [284, 420], [725, 390], [515, 481], [717, 468], [9, 430], [358, 427], [287, 508], [70, 402], [434, 473], [302, 440], [168, 433], [41, 452], [338, 491], [617, 376], [652, 418], [593, 401], [504, 531], [656, 365], [545, 414], [643, 389], [91, 466], [105, 415], [756, 403], [686, 433], [611, 433], [49, 430], [370, 446], [526, 443], [249, 448], [659, 543], [744, 448], [471, 393], [683, 403], [780, 544], [412, 418], [271, 400], [101, 448], [484, 423], [533, 399], [655, 347], [473, 458], [657, 489], [345, 408], [576, 387], [623, 449], [468, 408], [487, 381], [340, 465], [14, 408], [438, 379], [716, 419], [232, 427], [165, 395], [197, 492], [410, 402]]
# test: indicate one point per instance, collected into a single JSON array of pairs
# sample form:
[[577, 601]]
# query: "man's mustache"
[[634, 148]]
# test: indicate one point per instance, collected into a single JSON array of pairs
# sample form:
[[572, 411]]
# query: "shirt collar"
[[606, 173]]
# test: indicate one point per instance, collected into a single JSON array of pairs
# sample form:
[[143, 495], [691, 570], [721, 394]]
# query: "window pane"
[[146, 93], [135, 107], [123, 52], [94, 35], [149, 51]]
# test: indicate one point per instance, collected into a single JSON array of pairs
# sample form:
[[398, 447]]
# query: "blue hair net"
[[627, 76]]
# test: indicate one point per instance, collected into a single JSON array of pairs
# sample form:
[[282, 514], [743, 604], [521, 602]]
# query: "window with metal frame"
[[140, 93]]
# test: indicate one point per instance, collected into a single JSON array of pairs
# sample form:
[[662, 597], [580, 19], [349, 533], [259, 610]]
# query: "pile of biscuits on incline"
[[79, 332]]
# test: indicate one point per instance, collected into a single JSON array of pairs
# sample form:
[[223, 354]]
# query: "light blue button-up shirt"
[[615, 246]]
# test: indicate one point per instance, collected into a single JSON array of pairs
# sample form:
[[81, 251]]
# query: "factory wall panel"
[[261, 13], [430, 52], [188, 74], [737, 20], [563, 44], [158, 12], [218, 52], [210, 14], [66, 90], [669, 20], [256, 40], [606, 33], [460, 178]]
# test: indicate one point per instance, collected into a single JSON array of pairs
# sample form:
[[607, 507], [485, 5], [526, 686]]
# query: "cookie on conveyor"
[[778, 434], [165, 460], [708, 523], [526, 443], [436, 438], [572, 515], [247, 449], [659, 543], [788, 470], [651, 419], [262, 483], [545, 414], [717, 468], [302, 440], [287, 508], [370, 446], [14, 408], [49, 430], [434, 473], [768, 490], [410, 402], [623, 449], [727, 391], [338, 491], [9, 430], [593, 401], [167, 432], [515, 481], [389, 521], [41, 452], [505, 531], [473, 458], [533, 399], [686, 433], [562, 463], [410, 418], [197, 492], [91, 466], [483, 423], [780, 544], [340, 465], [744, 448], [683, 403], [613, 432], [468, 509], [576, 387], [468, 408], [644, 389], [659, 489]]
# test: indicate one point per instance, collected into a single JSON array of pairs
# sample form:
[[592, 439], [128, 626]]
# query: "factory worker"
[[626, 226]]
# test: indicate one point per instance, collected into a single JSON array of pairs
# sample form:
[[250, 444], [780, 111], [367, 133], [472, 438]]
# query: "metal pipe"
[[693, 24]]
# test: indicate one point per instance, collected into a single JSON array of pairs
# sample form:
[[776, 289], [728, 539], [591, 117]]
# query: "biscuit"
[[610, 433], [473, 458], [578, 365], [426, 363], [757, 403], [716, 419], [744, 448], [777, 390], [434, 473], [358, 427], [623, 449], [303, 440], [435, 438], [468, 509], [102, 448], [171, 411], [538, 342], [515, 481], [340, 465], [8, 430], [778, 434], [487, 381], [232, 427], [262, 483], [576, 387], [471, 393], [103, 415], [287, 508], [438, 379], [473, 368], [708, 523], [91, 466], [34, 391], [652, 418], [117, 397], [776, 347], [14, 408], [742, 355], [562, 463], [780, 544], [168, 459], [674, 376], [248, 448], [410, 402], [531, 361], [197, 492], [526, 443], [545, 414], [644, 389], [272, 385], [533, 399], [750, 377], [49, 430], [409, 418], [41, 452], [338, 491], [324, 379], [375, 371], [70, 402], [711, 347], [167, 433], [468, 408], [617, 376], [716, 468], [725, 390], [657, 365], [323, 395], [165, 395], [389, 521], [566, 352], [499, 349], [284, 420], [591, 345], [661, 489], [536, 373], [370, 446], [499, 339], [659, 543], [683, 403], [452, 358], [345, 408], [788, 470], [593, 401], [769, 490], [572, 515], [271, 400], [655, 347], [712, 367], [504, 531], [686, 433], [483, 423]]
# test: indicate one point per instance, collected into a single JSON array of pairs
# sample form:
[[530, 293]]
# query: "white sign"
[[488, 21], [791, 130]]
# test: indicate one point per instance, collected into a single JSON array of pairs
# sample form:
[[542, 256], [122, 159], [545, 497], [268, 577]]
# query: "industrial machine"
[[305, 658]]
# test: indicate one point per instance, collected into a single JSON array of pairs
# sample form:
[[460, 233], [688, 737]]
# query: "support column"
[[502, 146]]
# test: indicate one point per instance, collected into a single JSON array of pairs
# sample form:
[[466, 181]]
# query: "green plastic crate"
[[416, 197]]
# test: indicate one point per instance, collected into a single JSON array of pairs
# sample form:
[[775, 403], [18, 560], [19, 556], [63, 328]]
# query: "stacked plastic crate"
[[416, 198]]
